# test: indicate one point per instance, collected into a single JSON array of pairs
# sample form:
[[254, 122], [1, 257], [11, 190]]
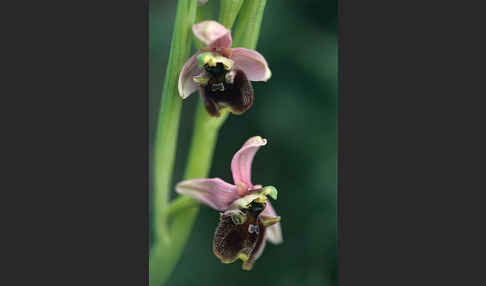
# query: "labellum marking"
[[240, 233], [253, 229], [225, 87]]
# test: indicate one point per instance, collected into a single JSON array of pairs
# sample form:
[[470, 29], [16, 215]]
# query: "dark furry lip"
[[218, 94], [239, 241]]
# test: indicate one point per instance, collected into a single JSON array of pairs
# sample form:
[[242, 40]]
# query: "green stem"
[[166, 136], [201, 153], [228, 10], [205, 12], [170, 109], [163, 259], [180, 204], [184, 209], [203, 142], [249, 23]]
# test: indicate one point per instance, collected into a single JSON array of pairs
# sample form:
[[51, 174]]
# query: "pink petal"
[[201, 2], [213, 34], [241, 163], [186, 84], [274, 232], [214, 192], [252, 63]]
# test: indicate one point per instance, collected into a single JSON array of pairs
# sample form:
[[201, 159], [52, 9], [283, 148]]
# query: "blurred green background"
[[296, 110]]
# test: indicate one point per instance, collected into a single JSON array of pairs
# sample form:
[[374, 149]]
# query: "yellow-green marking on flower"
[[212, 60], [247, 219]]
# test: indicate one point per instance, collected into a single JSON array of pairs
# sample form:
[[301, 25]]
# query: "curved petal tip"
[[243, 158], [213, 34], [255, 141], [186, 84], [252, 63]]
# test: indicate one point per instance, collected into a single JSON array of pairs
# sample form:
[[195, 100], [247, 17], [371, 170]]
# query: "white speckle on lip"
[[253, 229]]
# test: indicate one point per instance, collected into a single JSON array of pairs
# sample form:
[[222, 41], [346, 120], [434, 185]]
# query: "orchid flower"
[[247, 219], [201, 2], [222, 73]]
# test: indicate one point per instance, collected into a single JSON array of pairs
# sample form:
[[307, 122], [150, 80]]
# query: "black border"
[[81, 133], [408, 204]]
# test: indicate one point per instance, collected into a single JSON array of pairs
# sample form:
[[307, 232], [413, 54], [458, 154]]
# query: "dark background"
[[296, 110]]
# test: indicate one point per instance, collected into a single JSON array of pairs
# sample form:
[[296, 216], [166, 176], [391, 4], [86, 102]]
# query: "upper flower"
[[248, 218], [221, 73]]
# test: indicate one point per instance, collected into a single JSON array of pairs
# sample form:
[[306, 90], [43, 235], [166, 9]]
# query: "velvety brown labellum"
[[238, 95], [231, 240]]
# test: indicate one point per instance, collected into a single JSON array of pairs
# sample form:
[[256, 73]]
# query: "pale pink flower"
[[247, 219], [221, 73]]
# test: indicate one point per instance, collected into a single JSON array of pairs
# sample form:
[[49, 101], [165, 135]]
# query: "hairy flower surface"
[[221, 73], [247, 219]]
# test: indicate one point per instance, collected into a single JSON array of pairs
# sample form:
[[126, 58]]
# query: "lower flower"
[[242, 229], [247, 219]]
